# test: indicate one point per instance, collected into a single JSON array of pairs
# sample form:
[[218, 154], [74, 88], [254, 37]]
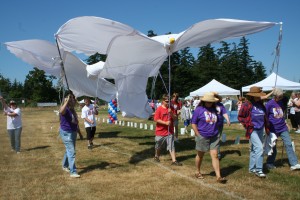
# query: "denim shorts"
[[204, 144]]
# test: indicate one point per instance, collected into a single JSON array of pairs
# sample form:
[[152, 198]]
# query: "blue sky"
[[36, 19]]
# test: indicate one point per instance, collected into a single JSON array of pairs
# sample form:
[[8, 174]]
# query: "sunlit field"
[[121, 166]]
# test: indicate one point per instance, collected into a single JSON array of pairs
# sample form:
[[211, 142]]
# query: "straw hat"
[[256, 92], [209, 97], [219, 97]]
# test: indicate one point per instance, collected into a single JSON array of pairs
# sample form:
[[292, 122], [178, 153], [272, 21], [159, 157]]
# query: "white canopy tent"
[[215, 86], [269, 83]]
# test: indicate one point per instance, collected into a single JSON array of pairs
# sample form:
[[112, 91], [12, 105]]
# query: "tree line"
[[230, 64]]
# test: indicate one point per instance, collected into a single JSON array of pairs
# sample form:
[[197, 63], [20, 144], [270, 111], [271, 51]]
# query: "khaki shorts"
[[168, 140], [205, 144]]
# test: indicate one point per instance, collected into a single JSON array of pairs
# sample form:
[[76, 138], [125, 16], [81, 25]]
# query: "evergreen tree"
[[38, 87], [245, 60], [5, 85], [207, 66], [16, 90], [259, 71]]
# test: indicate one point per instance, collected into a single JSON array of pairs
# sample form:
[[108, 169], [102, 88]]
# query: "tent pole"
[[62, 64]]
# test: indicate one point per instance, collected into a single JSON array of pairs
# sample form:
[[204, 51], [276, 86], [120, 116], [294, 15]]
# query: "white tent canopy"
[[215, 86], [269, 83]]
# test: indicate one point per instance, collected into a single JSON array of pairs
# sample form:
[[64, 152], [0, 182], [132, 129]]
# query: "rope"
[[163, 82], [153, 86]]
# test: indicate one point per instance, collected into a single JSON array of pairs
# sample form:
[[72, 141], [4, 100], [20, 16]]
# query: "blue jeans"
[[69, 140], [256, 152], [15, 138], [293, 160]]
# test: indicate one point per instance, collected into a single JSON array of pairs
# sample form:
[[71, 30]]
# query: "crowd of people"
[[262, 121]]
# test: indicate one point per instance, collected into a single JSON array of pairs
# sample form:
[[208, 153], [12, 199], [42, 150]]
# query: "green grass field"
[[121, 165]]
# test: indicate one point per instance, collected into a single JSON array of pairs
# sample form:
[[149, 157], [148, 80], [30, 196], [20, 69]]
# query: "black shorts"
[[90, 132]]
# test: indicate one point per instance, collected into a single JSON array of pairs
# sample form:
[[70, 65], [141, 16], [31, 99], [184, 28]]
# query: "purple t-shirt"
[[221, 110], [206, 121], [258, 116], [68, 121], [276, 117]]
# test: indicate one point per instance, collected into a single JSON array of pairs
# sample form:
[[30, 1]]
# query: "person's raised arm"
[[63, 108], [4, 105], [267, 95]]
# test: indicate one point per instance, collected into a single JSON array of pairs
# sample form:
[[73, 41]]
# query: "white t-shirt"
[[16, 121], [88, 112]]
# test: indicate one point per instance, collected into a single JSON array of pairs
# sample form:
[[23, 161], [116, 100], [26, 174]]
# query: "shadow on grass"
[[226, 171], [231, 142], [37, 148], [100, 166], [184, 145], [143, 155], [284, 162], [115, 134], [112, 134], [226, 152]]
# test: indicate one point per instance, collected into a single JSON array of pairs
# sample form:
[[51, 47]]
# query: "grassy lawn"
[[120, 166]]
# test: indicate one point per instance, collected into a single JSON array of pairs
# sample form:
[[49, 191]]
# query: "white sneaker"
[[260, 174], [295, 167], [66, 169], [298, 131], [75, 175]]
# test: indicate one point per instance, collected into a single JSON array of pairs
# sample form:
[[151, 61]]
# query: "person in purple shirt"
[[252, 116], [275, 111], [204, 124], [221, 114], [68, 133]]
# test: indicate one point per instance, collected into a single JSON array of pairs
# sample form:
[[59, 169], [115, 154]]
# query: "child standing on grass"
[[164, 131], [186, 115], [88, 113]]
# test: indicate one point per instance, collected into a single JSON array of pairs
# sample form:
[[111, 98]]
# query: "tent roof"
[[215, 86], [269, 82]]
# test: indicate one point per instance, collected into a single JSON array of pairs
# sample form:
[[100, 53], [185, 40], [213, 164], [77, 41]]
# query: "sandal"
[[199, 175], [221, 180]]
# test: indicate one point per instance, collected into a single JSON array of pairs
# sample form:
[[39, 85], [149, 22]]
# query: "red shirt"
[[163, 114]]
